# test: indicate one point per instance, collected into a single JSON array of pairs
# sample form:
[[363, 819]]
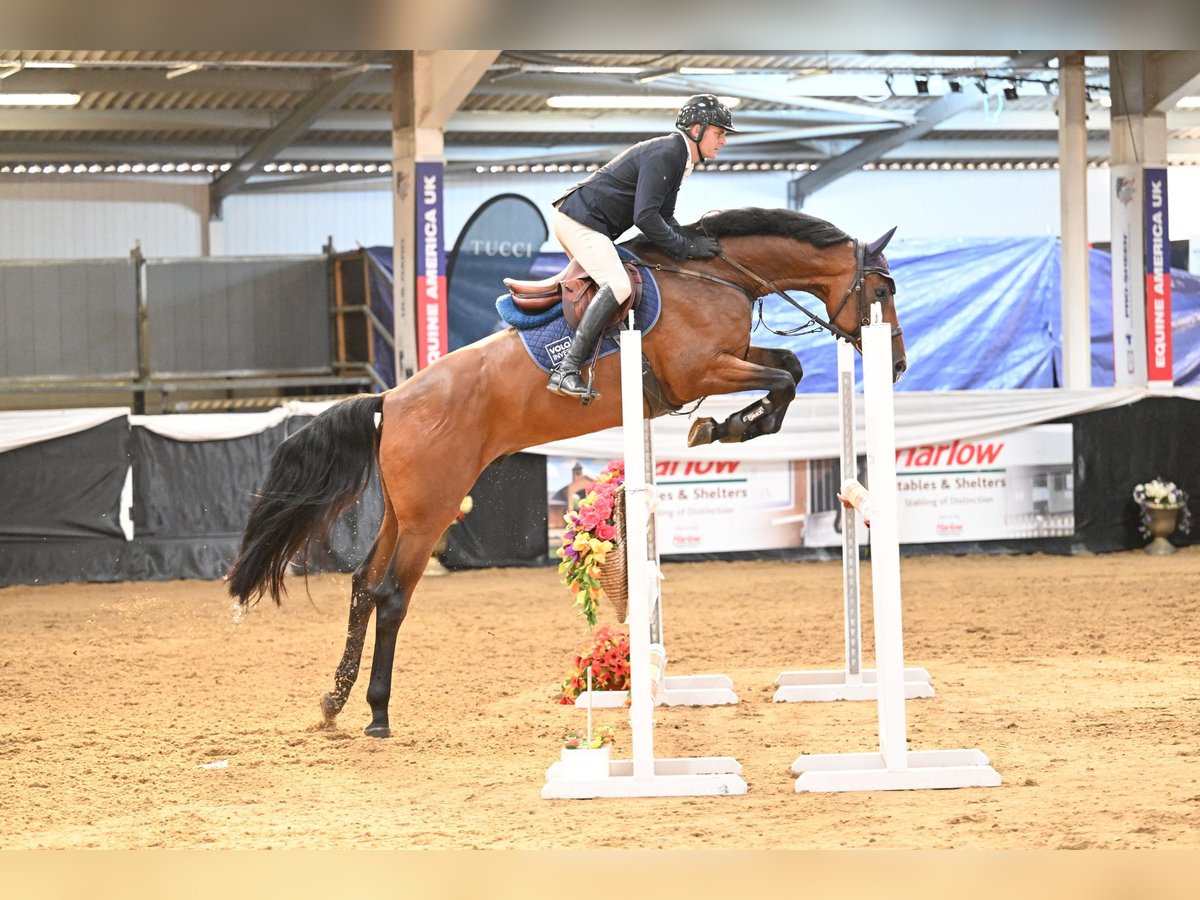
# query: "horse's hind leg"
[[763, 416], [371, 582], [390, 609]]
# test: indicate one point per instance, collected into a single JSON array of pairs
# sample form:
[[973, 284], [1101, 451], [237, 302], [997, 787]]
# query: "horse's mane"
[[771, 223]]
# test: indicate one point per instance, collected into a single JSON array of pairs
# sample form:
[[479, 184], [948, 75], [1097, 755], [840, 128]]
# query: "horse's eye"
[[881, 293]]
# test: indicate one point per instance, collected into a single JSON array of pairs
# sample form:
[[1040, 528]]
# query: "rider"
[[639, 187]]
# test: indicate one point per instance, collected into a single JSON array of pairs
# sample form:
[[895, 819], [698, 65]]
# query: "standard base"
[[675, 690], [867, 771], [695, 777], [795, 687]]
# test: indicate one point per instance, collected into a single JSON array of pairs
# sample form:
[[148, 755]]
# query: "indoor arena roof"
[[317, 116]]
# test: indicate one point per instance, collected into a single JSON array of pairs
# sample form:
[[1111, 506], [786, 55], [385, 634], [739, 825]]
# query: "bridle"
[[857, 288]]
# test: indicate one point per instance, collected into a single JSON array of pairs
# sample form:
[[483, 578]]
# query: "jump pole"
[[853, 682], [894, 767], [643, 775]]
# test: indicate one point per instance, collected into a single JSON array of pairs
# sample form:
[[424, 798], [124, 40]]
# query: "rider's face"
[[712, 142]]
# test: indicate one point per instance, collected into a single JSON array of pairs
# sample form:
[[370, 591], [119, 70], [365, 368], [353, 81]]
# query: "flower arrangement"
[[607, 657], [1160, 494], [589, 536], [601, 735]]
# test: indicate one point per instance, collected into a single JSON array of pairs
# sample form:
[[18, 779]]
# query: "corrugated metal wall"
[[68, 319], [98, 218], [70, 218], [238, 315]]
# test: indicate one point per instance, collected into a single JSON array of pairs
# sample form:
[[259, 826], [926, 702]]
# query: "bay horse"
[[440, 428]]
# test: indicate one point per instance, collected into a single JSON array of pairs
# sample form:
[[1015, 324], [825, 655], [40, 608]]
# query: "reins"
[[857, 288]]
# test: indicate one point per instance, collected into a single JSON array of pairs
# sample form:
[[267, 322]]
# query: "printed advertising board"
[[1015, 484]]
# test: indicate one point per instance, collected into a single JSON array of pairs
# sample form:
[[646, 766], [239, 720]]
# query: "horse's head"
[[870, 283]]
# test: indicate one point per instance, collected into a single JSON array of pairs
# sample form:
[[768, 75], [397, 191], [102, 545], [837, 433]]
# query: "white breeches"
[[594, 251]]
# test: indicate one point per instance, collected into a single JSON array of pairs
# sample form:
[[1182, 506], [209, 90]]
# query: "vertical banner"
[[500, 240], [1159, 363], [432, 333], [1128, 277]]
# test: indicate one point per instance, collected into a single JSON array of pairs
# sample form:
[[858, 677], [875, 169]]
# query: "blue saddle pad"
[[547, 336]]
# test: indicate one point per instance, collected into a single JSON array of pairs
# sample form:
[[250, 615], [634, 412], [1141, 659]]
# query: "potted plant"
[[1163, 507], [592, 546], [587, 755]]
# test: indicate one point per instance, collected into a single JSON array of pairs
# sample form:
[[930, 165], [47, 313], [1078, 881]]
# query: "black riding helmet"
[[703, 110]]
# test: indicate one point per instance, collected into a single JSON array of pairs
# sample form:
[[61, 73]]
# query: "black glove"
[[701, 246]]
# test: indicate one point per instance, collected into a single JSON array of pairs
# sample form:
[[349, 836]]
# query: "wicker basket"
[[614, 575]]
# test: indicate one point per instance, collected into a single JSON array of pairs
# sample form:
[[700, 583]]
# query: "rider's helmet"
[[704, 109]]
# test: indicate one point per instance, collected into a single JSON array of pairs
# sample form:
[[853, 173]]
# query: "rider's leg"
[[599, 259]]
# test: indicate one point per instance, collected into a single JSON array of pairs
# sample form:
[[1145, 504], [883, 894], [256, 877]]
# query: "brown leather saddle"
[[574, 288]]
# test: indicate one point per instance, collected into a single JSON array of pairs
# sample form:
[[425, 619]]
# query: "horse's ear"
[[876, 246]]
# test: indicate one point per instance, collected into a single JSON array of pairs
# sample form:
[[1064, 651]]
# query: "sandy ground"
[[1079, 677]]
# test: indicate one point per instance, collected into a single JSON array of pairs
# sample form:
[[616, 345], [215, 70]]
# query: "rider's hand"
[[701, 246]]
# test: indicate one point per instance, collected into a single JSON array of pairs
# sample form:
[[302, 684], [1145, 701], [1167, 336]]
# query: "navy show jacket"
[[638, 187]]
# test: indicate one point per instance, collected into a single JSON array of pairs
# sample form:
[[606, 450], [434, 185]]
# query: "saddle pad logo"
[[548, 341], [556, 350]]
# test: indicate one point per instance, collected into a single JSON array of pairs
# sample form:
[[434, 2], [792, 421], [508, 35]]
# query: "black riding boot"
[[566, 378]]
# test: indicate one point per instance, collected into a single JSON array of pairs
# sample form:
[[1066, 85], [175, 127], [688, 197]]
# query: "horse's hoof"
[[703, 431], [329, 711], [377, 731]]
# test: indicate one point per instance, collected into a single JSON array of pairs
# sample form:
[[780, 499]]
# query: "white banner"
[[1019, 484], [1128, 277], [704, 506], [1013, 484]]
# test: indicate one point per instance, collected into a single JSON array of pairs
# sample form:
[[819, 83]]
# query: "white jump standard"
[[643, 775], [894, 767], [852, 683]]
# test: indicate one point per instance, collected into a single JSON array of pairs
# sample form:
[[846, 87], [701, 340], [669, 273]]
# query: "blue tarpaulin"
[[980, 315]]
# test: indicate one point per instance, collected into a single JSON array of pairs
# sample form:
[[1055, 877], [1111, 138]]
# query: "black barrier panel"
[[1116, 449], [507, 526], [196, 489], [66, 487]]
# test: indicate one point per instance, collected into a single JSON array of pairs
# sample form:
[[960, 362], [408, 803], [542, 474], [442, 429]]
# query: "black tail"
[[315, 474]]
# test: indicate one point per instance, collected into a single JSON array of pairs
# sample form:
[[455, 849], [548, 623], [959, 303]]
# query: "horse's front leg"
[[774, 370]]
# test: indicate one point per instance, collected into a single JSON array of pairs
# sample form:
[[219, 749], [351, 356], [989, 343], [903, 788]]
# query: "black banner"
[[500, 240]]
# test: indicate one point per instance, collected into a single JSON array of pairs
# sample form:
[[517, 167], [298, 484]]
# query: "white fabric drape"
[[810, 431], [812, 427]]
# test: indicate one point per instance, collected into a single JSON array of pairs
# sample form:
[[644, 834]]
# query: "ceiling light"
[[596, 70], [183, 70], [38, 99], [49, 64], [706, 70], [618, 101]]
